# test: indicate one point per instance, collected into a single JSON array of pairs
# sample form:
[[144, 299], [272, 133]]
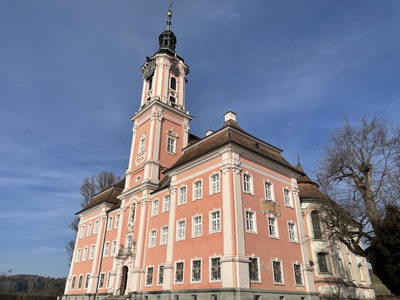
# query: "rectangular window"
[[197, 224], [197, 190], [246, 183], [181, 230], [215, 221], [91, 252], [83, 231], [155, 207], [142, 144], [85, 253], [253, 269], [179, 272], [114, 248], [166, 202], [215, 268], [361, 271], [80, 282], [160, 274], [351, 273], [87, 281], [149, 277], [73, 282], [277, 269], [153, 236], [89, 229], [110, 221], [268, 190], [316, 224], [96, 227], [286, 194], [196, 270], [182, 195], [108, 280], [106, 248], [101, 282], [298, 274], [164, 235], [323, 263], [78, 255], [117, 217], [341, 268], [214, 183], [272, 226], [171, 145], [292, 232], [250, 221]]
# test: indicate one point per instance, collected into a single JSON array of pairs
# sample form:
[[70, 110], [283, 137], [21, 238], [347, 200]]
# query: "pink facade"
[[218, 217]]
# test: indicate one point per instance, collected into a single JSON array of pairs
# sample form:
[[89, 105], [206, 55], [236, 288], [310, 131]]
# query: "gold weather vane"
[[169, 16]]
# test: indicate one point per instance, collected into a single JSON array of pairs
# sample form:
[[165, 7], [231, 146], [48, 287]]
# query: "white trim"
[[110, 223], [113, 248], [87, 280], [211, 231], [89, 229], [211, 183], [78, 255], [77, 284], [180, 195], [179, 238], [253, 220], [102, 273], [85, 253], [196, 190], [194, 235], [96, 226], [201, 270], [152, 238], [301, 273], [91, 251], [147, 274], [82, 233], [295, 232], [272, 190], [290, 195], [162, 235], [276, 228], [158, 274], [169, 203], [183, 275], [281, 267], [258, 269], [106, 250], [247, 183], [155, 209], [117, 221], [210, 258], [73, 283]]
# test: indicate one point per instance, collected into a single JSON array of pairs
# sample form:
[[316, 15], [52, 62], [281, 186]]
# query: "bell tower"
[[161, 126]]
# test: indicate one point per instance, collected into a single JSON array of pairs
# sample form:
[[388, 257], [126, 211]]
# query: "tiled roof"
[[109, 195], [231, 132], [308, 188], [163, 184]]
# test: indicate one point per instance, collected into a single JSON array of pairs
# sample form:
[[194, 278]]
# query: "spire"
[[167, 39]]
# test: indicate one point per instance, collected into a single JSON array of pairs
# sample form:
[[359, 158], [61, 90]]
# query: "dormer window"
[[173, 83]]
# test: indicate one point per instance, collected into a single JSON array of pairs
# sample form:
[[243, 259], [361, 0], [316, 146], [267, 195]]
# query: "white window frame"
[[114, 247], [282, 275], [80, 277], [132, 213], [96, 227], [276, 228], [171, 145], [152, 238], [197, 191], [106, 249], [210, 265], [101, 286], [110, 223], [89, 229], [142, 143], [289, 199], [147, 274], [211, 230], [85, 252], [87, 279], [179, 236], [164, 235], [196, 226], [247, 180], [301, 273], [258, 269], [295, 238], [83, 228], [182, 196], [78, 255], [158, 274], [129, 243], [201, 270], [215, 185], [155, 207], [92, 250], [183, 275], [108, 280], [73, 282], [165, 207], [253, 220], [328, 265], [117, 220], [271, 197]]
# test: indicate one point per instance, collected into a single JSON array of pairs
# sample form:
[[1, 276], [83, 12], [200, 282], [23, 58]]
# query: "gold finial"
[[169, 16], [298, 159]]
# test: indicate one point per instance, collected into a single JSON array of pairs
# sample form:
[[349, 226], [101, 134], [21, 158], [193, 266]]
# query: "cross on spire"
[[169, 16]]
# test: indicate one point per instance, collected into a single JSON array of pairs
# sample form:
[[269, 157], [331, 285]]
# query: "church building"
[[219, 217]]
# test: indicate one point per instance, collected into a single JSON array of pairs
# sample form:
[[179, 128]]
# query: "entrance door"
[[124, 280]]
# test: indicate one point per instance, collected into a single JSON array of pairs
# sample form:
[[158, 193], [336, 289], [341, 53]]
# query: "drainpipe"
[[101, 256]]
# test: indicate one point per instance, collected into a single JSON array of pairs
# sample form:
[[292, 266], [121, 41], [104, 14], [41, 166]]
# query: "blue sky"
[[70, 80]]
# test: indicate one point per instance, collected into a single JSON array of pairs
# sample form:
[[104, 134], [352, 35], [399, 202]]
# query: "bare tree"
[[360, 169], [89, 188]]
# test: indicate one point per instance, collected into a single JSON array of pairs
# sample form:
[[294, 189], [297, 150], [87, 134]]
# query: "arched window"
[[133, 212], [316, 224], [173, 83]]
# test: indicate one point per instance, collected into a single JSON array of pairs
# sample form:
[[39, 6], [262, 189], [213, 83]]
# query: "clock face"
[[149, 69], [175, 70]]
